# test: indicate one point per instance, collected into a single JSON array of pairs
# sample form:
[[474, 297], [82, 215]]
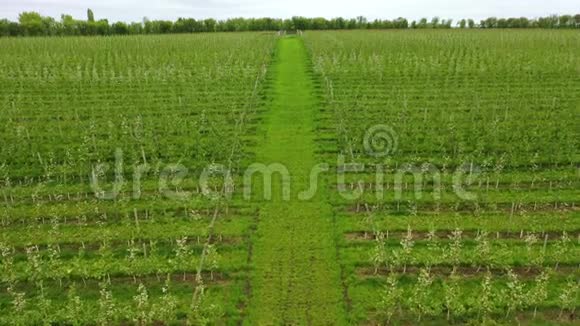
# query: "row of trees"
[[494, 300], [33, 24], [565, 21]]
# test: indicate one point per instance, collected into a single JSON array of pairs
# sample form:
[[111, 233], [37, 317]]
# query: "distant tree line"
[[34, 24]]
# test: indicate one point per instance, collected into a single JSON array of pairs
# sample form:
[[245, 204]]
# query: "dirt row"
[[525, 272], [466, 235]]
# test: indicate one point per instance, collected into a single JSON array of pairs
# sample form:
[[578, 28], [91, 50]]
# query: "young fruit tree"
[[390, 299], [515, 293], [485, 305], [420, 301], [569, 297], [379, 253], [539, 292], [452, 297]]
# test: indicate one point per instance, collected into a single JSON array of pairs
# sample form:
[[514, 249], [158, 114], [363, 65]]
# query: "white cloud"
[[135, 10]]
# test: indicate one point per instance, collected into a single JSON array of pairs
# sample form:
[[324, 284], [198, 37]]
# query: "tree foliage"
[[90, 16], [33, 24]]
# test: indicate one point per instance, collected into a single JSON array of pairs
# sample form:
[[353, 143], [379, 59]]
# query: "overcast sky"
[[135, 10]]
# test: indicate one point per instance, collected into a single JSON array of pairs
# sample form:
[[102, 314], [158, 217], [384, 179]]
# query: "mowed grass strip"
[[296, 276]]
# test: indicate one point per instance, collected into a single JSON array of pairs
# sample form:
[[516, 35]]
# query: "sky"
[[135, 10]]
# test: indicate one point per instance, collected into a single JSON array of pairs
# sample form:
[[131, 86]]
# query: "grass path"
[[296, 278]]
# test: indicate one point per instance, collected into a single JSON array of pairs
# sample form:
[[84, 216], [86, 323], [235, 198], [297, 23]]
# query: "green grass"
[[296, 275]]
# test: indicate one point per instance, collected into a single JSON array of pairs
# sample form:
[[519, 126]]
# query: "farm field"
[[141, 109], [503, 104], [432, 178]]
